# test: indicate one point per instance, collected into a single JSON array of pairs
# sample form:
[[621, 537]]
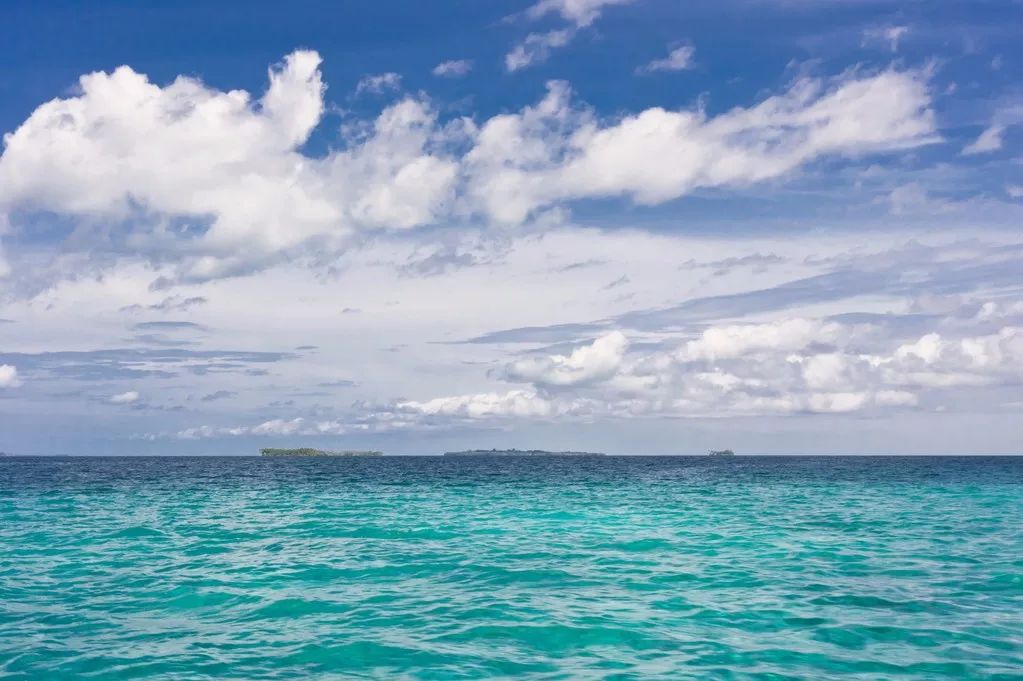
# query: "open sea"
[[536, 568]]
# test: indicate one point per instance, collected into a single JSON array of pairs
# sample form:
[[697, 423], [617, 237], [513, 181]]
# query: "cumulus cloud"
[[182, 150], [129, 397], [784, 367], [937, 361], [737, 340], [9, 376], [379, 83], [678, 59], [989, 140], [592, 362], [214, 184], [834, 326], [225, 168], [454, 68], [552, 152]]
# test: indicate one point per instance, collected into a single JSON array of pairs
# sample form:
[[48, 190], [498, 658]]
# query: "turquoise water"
[[426, 568]]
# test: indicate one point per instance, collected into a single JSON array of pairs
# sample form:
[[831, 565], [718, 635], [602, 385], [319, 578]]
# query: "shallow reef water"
[[540, 568]]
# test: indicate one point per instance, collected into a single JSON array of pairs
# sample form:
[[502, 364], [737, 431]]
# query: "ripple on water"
[[643, 568]]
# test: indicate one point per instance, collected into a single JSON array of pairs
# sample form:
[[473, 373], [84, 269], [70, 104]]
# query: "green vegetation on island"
[[309, 451], [721, 452], [517, 452]]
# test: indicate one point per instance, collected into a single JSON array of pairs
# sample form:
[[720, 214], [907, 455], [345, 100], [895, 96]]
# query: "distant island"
[[517, 452], [721, 452], [309, 451]]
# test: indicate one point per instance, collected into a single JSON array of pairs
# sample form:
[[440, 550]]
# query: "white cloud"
[[784, 367], [553, 153], [9, 376], [129, 397], [912, 198], [278, 427], [578, 12], [761, 344], [593, 362], [937, 361], [516, 403], [211, 184], [889, 35], [1015, 191], [391, 180], [4, 227], [273, 427], [536, 48], [181, 150], [728, 342], [678, 59], [298, 426], [379, 83], [989, 140], [127, 150], [203, 432], [454, 68]]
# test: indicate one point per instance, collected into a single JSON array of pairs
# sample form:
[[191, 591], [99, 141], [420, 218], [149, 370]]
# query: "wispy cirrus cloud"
[[454, 68], [989, 140], [378, 83], [678, 59], [136, 363], [173, 303], [889, 36], [535, 48], [526, 161], [168, 326]]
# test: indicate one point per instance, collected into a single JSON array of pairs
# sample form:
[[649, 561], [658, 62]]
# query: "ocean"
[[533, 568]]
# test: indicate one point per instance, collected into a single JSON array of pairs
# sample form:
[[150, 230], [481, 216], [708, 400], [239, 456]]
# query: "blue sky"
[[627, 225]]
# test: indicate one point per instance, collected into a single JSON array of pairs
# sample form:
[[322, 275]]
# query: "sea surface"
[[535, 568]]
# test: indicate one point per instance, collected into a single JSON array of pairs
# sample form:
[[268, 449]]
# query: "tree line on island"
[[309, 451]]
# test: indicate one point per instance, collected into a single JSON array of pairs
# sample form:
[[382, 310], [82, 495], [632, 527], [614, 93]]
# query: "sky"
[[630, 226]]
